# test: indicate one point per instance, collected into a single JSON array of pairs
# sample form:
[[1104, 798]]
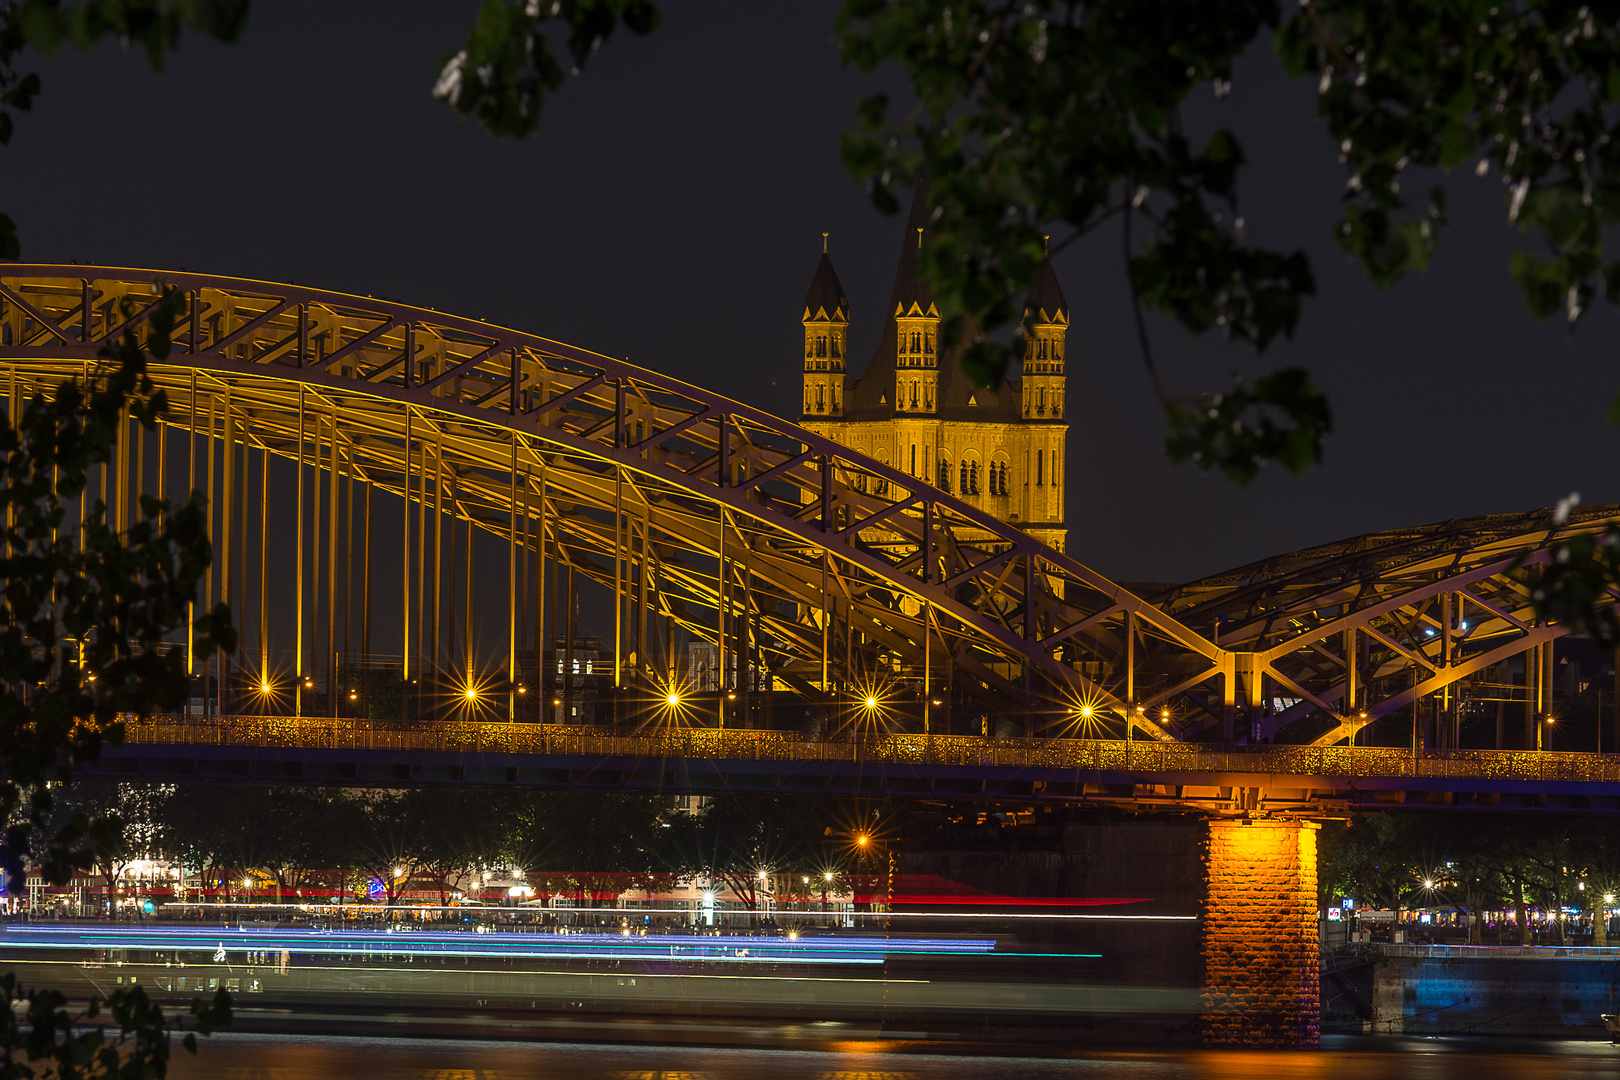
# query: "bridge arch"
[[769, 541]]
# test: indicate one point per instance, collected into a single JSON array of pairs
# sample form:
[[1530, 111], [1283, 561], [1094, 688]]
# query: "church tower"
[[826, 340], [916, 360], [1000, 449], [1046, 331]]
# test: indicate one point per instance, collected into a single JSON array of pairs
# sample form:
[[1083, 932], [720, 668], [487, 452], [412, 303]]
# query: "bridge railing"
[[1204, 761], [1499, 952]]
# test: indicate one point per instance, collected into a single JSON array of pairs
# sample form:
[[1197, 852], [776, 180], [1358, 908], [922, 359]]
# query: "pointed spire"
[[1046, 302], [909, 287], [825, 300]]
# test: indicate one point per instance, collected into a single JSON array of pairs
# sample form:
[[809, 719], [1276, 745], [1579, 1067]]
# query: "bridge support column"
[[1261, 969]]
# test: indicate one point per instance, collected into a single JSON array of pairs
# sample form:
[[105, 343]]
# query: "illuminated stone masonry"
[[1000, 449], [1262, 976]]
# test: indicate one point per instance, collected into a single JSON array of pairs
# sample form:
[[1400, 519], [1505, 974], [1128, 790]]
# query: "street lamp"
[[1545, 720]]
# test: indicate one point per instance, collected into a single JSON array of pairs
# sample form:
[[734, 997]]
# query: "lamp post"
[[1544, 720]]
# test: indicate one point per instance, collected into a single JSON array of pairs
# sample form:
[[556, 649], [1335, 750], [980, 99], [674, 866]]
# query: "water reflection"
[[272, 1057]]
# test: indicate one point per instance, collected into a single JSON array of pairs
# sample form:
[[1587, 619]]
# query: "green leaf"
[[1283, 418]]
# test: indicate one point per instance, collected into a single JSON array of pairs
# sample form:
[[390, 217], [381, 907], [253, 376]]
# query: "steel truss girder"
[[1430, 608], [1002, 597], [900, 548]]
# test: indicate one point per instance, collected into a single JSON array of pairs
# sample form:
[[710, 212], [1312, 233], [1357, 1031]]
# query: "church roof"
[[826, 296], [911, 292], [958, 397], [1046, 302]]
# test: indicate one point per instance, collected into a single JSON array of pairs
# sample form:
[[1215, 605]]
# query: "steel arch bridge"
[[810, 571]]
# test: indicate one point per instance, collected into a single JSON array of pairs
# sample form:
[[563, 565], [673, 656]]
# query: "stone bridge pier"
[[1261, 977], [1210, 936]]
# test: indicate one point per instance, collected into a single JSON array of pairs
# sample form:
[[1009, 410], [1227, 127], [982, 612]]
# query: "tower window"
[[945, 476], [836, 349], [821, 346], [1040, 351], [973, 477], [1039, 459], [967, 488], [913, 459], [913, 393], [1041, 402], [821, 398], [928, 344]]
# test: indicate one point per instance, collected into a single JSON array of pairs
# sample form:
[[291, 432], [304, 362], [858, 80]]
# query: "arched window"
[[1040, 456], [945, 476], [1040, 402], [837, 348], [913, 393], [835, 399], [928, 344], [967, 489], [821, 345], [1040, 350], [821, 398], [913, 469], [809, 347], [973, 477]]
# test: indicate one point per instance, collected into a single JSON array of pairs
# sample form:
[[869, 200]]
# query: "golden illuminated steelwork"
[[800, 564]]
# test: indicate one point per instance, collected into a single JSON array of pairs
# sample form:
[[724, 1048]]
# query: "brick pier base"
[[1262, 978]]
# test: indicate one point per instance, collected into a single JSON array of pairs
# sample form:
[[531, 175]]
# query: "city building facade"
[[1002, 449]]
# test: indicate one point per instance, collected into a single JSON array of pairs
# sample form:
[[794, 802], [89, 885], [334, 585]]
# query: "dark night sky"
[[670, 210]]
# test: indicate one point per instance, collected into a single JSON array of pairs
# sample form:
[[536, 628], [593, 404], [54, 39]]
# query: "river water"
[[287, 1057]]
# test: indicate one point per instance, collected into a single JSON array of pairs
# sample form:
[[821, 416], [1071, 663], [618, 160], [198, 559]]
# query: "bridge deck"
[[1319, 779]]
